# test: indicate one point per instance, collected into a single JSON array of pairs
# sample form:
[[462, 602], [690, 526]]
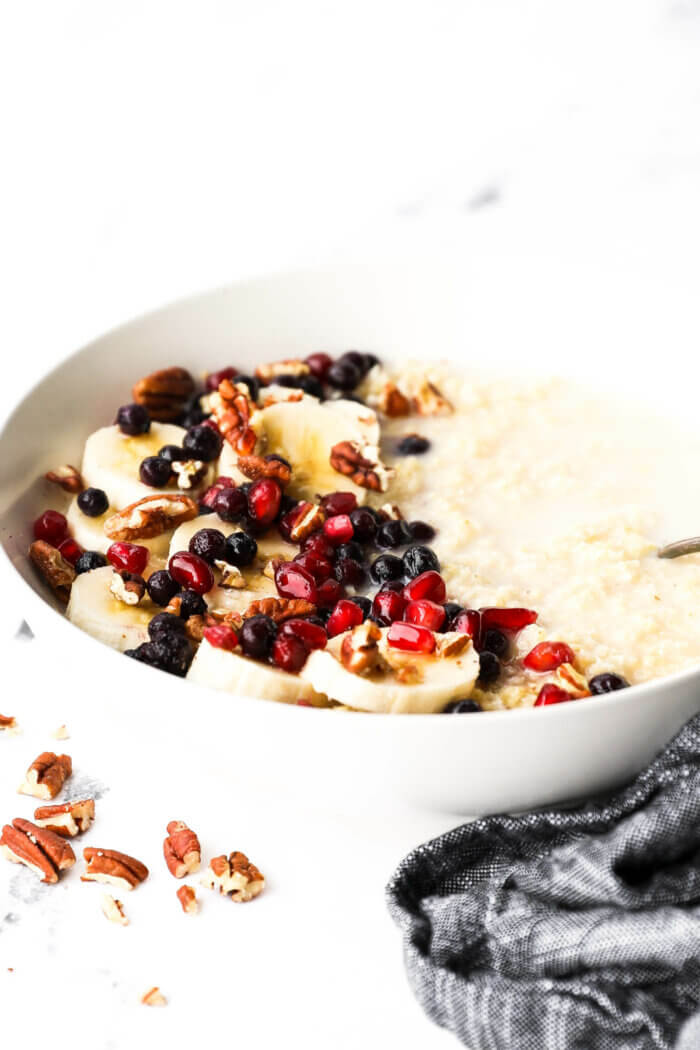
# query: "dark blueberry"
[[350, 572], [192, 604], [90, 560], [155, 471], [386, 567], [381, 621], [489, 668], [461, 707], [349, 550], [317, 619], [419, 559], [173, 453], [324, 615], [452, 609], [161, 587], [203, 510], [133, 420], [392, 534], [251, 382], [343, 375], [169, 652], [273, 457], [608, 682], [93, 502], [364, 523], [241, 549], [231, 504], [164, 622], [257, 635], [309, 384], [420, 530], [287, 503], [209, 544], [392, 585], [495, 642], [370, 361], [412, 445], [357, 360], [355, 398], [364, 603], [202, 442], [192, 414]]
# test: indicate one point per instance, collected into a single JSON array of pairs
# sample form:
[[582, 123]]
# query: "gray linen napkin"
[[565, 929]]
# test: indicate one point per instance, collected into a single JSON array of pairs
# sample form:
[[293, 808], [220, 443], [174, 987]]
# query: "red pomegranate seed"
[[339, 503], [191, 572], [289, 520], [338, 529], [319, 364], [547, 656], [410, 638], [214, 378], [345, 615], [221, 636], [131, 557], [264, 498], [551, 694], [289, 653], [506, 619], [209, 497], [329, 593], [426, 614], [429, 585], [469, 622], [318, 543], [293, 581], [320, 568], [70, 550], [312, 634], [51, 527], [389, 604]]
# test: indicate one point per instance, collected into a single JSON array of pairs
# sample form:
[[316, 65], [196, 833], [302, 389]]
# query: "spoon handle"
[[680, 547]]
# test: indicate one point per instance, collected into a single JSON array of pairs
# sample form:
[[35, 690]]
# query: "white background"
[[153, 149]]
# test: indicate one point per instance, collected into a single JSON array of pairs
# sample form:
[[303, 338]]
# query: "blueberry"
[[608, 682], [241, 549], [309, 384], [324, 615], [317, 619], [349, 550], [452, 610], [161, 587], [202, 442], [419, 559], [420, 530], [93, 502], [392, 534], [90, 560], [495, 642], [461, 707], [350, 572], [251, 382], [257, 635], [173, 453], [392, 585], [231, 504], [192, 604], [489, 668], [155, 471], [364, 523], [364, 603], [192, 413], [370, 361], [355, 398], [203, 510], [133, 420], [169, 652], [412, 445], [209, 544], [386, 567], [164, 622], [359, 361], [343, 375]]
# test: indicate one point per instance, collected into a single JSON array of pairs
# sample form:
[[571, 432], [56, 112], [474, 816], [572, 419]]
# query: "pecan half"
[[234, 875], [68, 477], [58, 573], [280, 609], [110, 866], [114, 910], [291, 367], [309, 519], [46, 775], [392, 402], [271, 466], [126, 587], [359, 652], [164, 393], [150, 516], [37, 848], [181, 850], [361, 463], [7, 722], [154, 997], [233, 410], [188, 900], [67, 820]]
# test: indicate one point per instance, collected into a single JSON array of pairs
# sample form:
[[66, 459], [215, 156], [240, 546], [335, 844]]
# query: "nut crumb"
[[114, 910], [61, 733], [8, 722], [188, 900], [67, 477], [154, 997], [234, 875]]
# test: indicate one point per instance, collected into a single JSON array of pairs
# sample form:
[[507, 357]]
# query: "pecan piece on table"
[[37, 848], [114, 910], [188, 900], [110, 866], [271, 466], [361, 463], [67, 476], [359, 651], [233, 409], [154, 997], [280, 609], [181, 850], [234, 875], [150, 516], [58, 573], [46, 775], [164, 393], [67, 820], [7, 722]]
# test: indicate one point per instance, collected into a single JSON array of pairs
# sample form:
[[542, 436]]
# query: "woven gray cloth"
[[569, 929]]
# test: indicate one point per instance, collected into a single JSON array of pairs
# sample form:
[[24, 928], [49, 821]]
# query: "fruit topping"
[[264, 498], [551, 694], [429, 584], [131, 557], [202, 442], [161, 587], [289, 653], [328, 594], [462, 707], [495, 642], [425, 613], [507, 619], [349, 572], [489, 668], [468, 621], [240, 549], [386, 567], [364, 524], [293, 581], [70, 550], [90, 560], [208, 544], [313, 635], [388, 606], [421, 531], [191, 571], [418, 560], [51, 527], [230, 503], [344, 616], [392, 534], [221, 636], [173, 453], [163, 623], [319, 365], [133, 420], [547, 656], [170, 652], [608, 682], [410, 638], [155, 471], [93, 502], [412, 445], [363, 603], [338, 529], [257, 636], [320, 568], [210, 496], [190, 604], [213, 379], [339, 503]]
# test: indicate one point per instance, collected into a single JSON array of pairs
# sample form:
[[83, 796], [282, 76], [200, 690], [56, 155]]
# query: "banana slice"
[[401, 683], [89, 533], [93, 609], [242, 676], [111, 462]]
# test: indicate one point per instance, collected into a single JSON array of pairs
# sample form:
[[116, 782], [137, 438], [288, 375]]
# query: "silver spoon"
[[680, 547]]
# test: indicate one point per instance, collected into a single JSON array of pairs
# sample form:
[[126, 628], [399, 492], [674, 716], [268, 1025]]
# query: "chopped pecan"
[[194, 627], [271, 567], [127, 587], [174, 606], [310, 517], [114, 910], [571, 681], [291, 367], [359, 652], [58, 573], [188, 472], [451, 644], [280, 394], [46, 775], [392, 402], [150, 516], [7, 722], [181, 849], [188, 899], [61, 733], [408, 674], [271, 466], [428, 401], [37, 848], [234, 875], [233, 410], [68, 477], [231, 575], [154, 997], [232, 619], [110, 866], [390, 512], [361, 463], [280, 609], [67, 820], [164, 393]]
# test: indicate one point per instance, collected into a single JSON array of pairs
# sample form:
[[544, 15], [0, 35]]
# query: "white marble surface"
[[153, 149]]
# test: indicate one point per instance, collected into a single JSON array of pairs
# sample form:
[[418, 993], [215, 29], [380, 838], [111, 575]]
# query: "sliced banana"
[[93, 608], [404, 683], [89, 533], [220, 669]]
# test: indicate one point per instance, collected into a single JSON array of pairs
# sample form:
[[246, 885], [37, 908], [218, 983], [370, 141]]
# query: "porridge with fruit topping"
[[335, 533]]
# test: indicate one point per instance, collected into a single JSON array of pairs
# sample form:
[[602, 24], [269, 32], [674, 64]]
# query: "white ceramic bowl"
[[509, 315]]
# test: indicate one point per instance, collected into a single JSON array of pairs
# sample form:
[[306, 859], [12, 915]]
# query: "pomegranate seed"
[[289, 520], [469, 622], [390, 605], [426, 614], [319, 364], [70, 550], [191, 572], [547, 656], [289, 653], [551, 694], [293, 581], [264, 498], [318, 543], [345, 615], [329, 593], [214, 378], [429, 585], [312, 635], [338, 529], [209, 497], [320, 568], [221, 636], [410, 638], [51, 527], [230, 504], [131, 557], [339, 503], [507, 619]]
